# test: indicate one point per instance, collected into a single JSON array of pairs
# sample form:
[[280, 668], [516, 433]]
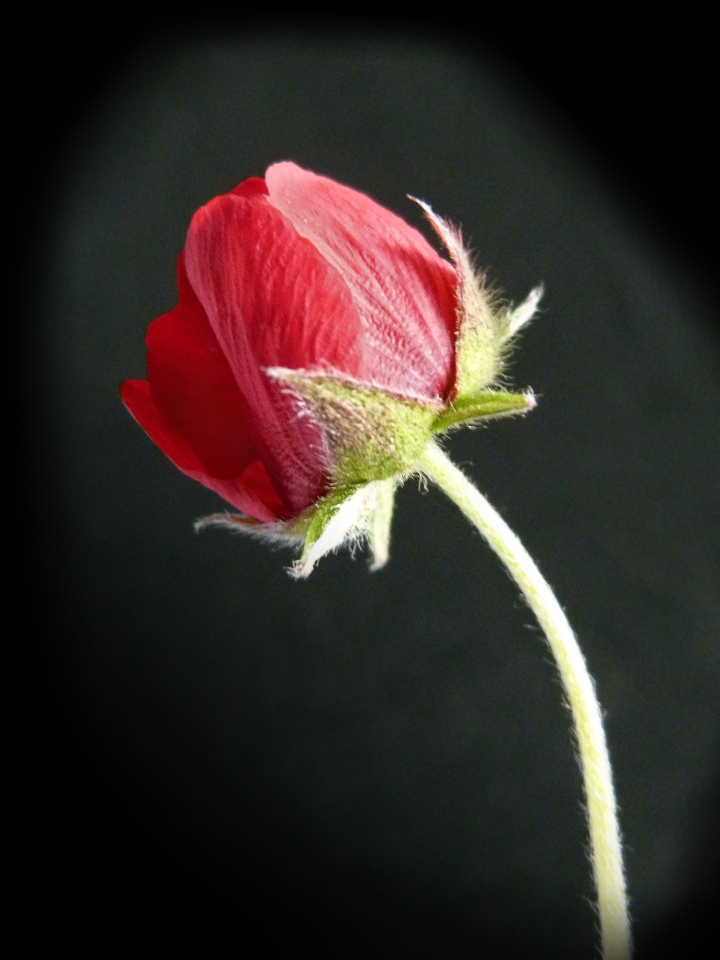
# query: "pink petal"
[[271, 300], [404, 292], [252, 493]]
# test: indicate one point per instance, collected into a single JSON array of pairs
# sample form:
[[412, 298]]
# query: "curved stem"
[[579, 688]]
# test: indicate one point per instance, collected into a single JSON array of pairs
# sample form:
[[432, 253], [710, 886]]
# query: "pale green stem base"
[[579, 688]]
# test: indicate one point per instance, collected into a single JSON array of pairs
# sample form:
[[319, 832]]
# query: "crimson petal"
[[252, 493], [193, 385], [272, 301]]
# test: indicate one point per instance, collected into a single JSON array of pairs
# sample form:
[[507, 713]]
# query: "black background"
[[374, 763]]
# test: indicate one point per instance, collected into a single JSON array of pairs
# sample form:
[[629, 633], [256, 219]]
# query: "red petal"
[[253, 186], [253, 492], [271, 300], [404, 292], [193, 385], [136, 397]]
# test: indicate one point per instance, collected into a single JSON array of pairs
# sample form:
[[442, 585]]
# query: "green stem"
[[579, 688]]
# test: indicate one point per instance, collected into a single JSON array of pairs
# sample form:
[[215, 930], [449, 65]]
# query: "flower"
[[318, 344]]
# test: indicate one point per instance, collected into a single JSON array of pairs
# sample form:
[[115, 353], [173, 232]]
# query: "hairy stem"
[[579, 688]]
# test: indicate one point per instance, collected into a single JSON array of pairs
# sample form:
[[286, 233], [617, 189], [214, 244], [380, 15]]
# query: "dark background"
[[374, 763]]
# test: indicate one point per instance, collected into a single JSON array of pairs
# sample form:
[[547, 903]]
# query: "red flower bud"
[[299, 272], [318, 344]]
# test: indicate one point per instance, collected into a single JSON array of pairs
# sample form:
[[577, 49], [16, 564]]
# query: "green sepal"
[[483, 405], [482, 320], [382, 522], [372, 434], [342, 516], [479, 355], [316, 518]]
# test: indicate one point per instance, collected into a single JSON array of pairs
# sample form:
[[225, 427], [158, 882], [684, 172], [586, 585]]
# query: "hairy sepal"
[[345, 516], [485, 405], [382, 522], [485, 326], [371, 434], [290, 533], [342, 517]]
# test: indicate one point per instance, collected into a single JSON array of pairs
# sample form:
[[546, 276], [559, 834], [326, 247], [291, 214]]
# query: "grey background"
[[380, 761]]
